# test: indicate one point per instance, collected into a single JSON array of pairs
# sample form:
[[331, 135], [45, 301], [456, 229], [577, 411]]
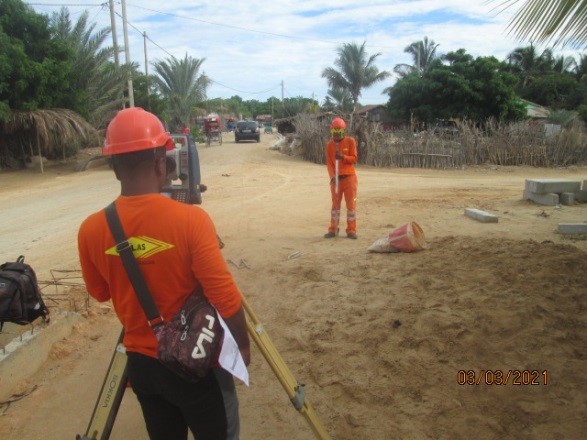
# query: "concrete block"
[[550, 199], [581, 196], [572, 228], [22, 357], [482, 216], [558, 186], [567, 198]]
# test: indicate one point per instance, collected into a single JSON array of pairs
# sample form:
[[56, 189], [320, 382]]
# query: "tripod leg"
[[292, 387], [104, 415]]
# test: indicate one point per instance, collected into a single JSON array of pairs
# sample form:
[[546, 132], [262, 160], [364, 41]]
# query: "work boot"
[[352, 235], [329, 235]]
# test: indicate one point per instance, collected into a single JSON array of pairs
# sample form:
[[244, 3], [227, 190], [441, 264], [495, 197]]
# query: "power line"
[[248, 93], [236, 27], [193, 19], [215, 82], [69, 4]]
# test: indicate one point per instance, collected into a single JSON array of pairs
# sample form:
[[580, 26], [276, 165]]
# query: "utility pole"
[[146, 70], [146, 60], [114, 37], [131, 97], [282, 101]]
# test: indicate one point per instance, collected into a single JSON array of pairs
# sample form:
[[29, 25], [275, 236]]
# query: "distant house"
[[261, 119], [376, 113], [535, 111]]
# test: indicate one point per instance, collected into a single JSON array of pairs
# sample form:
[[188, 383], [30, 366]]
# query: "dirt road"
[[379, 339]]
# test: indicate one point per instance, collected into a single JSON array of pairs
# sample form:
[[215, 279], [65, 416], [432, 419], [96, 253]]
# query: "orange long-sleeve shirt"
[[177, 249], [348, 148]]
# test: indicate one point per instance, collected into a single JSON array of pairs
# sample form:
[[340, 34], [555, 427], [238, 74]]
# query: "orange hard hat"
[[135, 129], [338, 123]]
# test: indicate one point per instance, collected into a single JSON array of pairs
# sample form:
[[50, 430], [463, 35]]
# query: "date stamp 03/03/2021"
[[503, 377]]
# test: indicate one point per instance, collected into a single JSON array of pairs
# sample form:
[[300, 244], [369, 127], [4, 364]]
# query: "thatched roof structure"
[[49, 133]]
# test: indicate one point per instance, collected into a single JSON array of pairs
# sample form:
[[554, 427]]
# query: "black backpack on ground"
[[20, 297]]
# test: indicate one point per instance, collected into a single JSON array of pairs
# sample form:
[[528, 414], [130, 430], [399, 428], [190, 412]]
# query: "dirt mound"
[[383, 337]]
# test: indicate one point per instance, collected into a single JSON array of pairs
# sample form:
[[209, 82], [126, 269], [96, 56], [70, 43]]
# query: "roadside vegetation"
[[61, 82], [496, 143]]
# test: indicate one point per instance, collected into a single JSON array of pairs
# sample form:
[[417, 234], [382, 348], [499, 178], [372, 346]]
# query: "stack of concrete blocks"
[[558, 192], [554, 192]]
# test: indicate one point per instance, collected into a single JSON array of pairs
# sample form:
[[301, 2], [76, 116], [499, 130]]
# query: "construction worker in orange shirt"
[[341, 157], [177, 249]]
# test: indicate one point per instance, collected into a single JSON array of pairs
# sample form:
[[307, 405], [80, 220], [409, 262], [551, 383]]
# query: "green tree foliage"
[[581, 68], [97, 86], [423, 54], [36, 69], [237, 107], [464, 88], [294, 106], [526, 63], [145, 95], [545, 21], [547, 79], [356, 71], [341, 99], [555, 90], [182, 85]]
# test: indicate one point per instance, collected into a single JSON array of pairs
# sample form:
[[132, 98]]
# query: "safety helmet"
[[338, 123], [134, 129]]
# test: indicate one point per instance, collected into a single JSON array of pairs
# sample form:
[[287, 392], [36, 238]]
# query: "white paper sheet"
[[230, 356]]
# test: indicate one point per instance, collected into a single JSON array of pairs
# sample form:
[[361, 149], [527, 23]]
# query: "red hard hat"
[[338, 123], [134, 129]]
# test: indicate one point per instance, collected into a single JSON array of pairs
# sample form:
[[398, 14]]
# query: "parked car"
[[247, 131], [446, 127]]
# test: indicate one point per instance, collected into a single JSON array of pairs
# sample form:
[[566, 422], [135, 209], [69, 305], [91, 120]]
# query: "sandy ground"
[[378, 339]]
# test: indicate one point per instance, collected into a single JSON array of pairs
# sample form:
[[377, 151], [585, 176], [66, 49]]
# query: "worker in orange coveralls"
[[341, 157]]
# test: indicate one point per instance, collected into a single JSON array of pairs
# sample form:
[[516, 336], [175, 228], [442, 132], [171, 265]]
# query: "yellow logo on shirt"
[[143, 247]]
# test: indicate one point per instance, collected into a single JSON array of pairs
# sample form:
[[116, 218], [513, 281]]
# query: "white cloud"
[[253, 46]]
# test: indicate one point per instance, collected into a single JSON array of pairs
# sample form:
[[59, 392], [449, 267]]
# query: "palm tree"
[[341, 97], [581, 68], [544, 21], [181, 84], [356, 71], [423, 53], [527, 63], [94, 73], [562, 64]]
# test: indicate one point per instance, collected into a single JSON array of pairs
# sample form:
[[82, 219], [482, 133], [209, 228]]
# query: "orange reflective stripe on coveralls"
[[347, 182]]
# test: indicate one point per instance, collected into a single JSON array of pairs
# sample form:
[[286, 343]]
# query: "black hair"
[[131, 163]]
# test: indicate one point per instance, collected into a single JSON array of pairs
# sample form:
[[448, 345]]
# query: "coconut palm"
[[357, 71], [423, 53], [545, 21], [562, 64], [342, 98], [527, 63], [581, 68], [95, 75], [182, 85]]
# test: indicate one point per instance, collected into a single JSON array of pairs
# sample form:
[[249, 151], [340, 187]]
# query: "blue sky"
[[251, 47]]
